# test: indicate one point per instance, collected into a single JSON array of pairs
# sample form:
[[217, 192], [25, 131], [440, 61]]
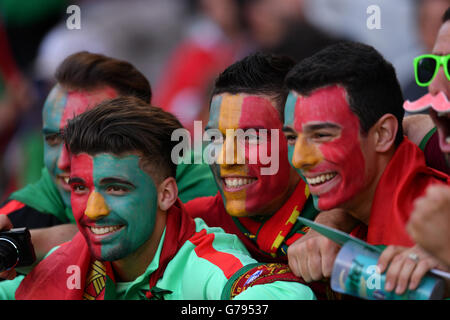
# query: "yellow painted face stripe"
[[96, 206], [305, 154], [230, 113]]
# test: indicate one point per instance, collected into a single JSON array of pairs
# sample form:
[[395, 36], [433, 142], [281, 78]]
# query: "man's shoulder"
[[210, 241], [204, 207], [213, 248]]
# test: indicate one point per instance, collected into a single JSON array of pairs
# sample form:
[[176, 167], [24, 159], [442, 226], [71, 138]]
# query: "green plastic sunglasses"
[[427, 66]]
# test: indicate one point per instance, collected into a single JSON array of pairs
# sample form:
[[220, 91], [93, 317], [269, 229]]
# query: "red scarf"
[[405, 179], [49, 280]]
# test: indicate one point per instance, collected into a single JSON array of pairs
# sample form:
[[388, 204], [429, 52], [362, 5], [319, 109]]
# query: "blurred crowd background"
[[181, 46]]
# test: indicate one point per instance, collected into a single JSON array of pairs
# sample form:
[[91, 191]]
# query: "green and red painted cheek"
[[60, 106], [114, 203], [244, 186], [327, 151]]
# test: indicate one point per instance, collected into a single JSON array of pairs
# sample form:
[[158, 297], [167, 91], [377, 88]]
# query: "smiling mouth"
[[237, 183], [105, 230], [321, 179]]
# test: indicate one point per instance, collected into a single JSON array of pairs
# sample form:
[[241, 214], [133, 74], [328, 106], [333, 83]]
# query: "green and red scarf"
[[274, 234]]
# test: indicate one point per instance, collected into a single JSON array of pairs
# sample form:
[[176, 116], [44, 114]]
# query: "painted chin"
[[238, 183]]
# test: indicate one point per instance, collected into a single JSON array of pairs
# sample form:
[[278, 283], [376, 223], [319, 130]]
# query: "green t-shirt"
[[192, 277]]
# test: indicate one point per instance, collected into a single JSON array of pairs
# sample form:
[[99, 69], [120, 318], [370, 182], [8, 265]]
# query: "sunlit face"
[[441, 84], [62, 105], [325, 145], [241, 177], [114, 203]]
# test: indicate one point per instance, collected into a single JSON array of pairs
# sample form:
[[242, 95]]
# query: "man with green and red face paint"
[[83, 81], [259, 199], [343, 125], [136, 240]]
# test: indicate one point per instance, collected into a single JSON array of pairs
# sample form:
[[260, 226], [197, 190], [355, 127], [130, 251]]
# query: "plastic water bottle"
[[355, 273]]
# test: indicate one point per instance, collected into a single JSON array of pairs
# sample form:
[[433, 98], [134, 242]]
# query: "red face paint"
[[328, 149], [81, 101], [247, 190], [61, 106], [83, 169], [258, 112]]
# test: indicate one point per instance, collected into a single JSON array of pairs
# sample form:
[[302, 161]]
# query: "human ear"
[[385, 131], [167, 193]]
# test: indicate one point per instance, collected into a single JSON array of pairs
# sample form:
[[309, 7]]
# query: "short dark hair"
[[85, 70], [446, 16], [258, 73], [122, 125], [370, 81]]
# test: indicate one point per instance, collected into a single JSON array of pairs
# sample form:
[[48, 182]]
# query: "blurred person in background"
[[280, 27], [15, 100], [23, 25], [39, 39], [395, 37], [214, 39]]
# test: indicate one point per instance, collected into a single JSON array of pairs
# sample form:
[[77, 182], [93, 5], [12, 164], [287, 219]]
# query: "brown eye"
[[117, 190], [291, 139], [53, 139], [78, 188]]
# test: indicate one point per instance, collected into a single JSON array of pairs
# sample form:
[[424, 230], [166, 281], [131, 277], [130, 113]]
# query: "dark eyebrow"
[[326, 125], [76, 180], [288, 129], [254, 128], [116, 180], [50, 131]]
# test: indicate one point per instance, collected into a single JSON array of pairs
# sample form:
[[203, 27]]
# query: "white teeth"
[[320, 179], [104, 230], [447, 140], [66, 180], [238, 182]]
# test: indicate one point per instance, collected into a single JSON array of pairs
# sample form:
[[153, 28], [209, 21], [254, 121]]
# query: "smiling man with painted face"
[[83, 80], [261, 195], [343, 125], [136, 240]]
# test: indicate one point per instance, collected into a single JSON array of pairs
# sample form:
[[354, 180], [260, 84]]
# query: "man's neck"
[[135, 264]]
